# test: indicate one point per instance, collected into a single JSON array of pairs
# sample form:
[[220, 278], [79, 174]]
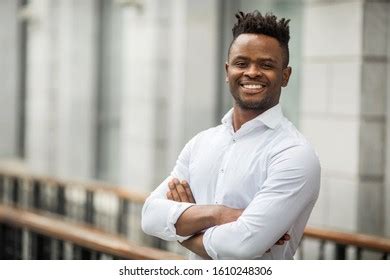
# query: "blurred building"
[[113, 89]]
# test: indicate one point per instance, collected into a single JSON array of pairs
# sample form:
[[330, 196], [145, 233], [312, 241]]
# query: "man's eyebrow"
[[263, 59], [268, 59], [240, 57]]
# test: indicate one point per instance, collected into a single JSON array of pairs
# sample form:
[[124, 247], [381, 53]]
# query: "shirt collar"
[[271, 118]]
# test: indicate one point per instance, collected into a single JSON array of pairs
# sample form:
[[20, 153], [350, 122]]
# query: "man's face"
[[255, 72]]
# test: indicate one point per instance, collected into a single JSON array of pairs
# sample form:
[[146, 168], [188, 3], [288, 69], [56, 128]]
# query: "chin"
[[256, 105], [250, 106], [253, 104]]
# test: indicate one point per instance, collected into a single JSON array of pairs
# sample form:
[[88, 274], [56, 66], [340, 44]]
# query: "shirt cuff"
[[207, 243], [174, 214]]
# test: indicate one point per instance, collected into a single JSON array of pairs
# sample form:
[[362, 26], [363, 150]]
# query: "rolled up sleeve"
[[159, 215]]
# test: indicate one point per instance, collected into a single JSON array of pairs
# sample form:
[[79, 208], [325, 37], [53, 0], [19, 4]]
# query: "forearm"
[[200, 217], [196, 218], [195, 244]]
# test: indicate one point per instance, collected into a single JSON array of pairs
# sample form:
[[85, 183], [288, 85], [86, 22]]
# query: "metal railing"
[[49, 234], [345, 245], [117, 212]]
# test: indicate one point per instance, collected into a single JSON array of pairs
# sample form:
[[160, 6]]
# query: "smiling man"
[[244, 189]]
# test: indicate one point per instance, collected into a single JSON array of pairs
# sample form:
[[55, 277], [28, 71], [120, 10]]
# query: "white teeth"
[[252, 86]]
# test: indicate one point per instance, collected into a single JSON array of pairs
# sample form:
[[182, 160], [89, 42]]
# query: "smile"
[[252, 86]]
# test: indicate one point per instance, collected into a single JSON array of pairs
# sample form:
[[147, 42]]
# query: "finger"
[[280, 242], [188, 190], [182, 193], [175, 181], [169, 195], [175, 194]]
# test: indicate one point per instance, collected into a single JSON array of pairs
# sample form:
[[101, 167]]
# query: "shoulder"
[[293, 159], [290, 145]]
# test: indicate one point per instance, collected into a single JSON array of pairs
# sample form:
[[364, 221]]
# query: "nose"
[[253, 71]]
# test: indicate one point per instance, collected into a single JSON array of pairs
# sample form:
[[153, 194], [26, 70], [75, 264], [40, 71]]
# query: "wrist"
[[215, 215]]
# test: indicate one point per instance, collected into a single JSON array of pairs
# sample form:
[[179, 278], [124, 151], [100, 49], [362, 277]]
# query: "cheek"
[[276, 78], [233, 77]]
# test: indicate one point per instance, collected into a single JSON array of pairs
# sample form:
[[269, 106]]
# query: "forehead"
[[256, 46]]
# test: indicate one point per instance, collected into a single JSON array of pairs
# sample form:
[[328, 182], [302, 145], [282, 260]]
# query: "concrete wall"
[[9, 79], [343, 109], [168, 80], [61, 86], [169, 93]]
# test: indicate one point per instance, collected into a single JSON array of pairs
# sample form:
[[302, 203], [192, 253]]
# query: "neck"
[[241, 116]]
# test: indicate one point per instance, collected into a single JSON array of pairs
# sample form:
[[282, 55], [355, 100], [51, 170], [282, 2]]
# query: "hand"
[[180, 191], [285, 237]]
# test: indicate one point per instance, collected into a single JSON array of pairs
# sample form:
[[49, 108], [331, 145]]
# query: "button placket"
[[222, 170]]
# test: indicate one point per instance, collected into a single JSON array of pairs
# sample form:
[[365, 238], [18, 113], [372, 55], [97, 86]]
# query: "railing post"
[[36, 199], [358, 253], [89, 218], [15, 192], [61, 201], [90, 209], [322, 250], [2, 178], [123, 216], [40, 245], [58, 252], [340, 252], [2, 241], [10, 241]]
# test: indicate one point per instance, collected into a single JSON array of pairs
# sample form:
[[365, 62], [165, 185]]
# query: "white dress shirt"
[[266, 167]]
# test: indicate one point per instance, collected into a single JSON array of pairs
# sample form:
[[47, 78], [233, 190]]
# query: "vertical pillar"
[[372, 135], [139, 70], [61, 86], [76, 87], [191, 104], [169, 84], [343, 109], [40, 99], [10, 102]]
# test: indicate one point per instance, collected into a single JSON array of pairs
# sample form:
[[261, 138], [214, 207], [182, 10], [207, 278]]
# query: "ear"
[[286, 76], [226, 71]]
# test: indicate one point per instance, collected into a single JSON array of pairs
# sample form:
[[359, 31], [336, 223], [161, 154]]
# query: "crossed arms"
[[283, 202], [200, 217]]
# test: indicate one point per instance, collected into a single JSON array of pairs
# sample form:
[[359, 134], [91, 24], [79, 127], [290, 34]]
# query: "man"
[[238, 188]]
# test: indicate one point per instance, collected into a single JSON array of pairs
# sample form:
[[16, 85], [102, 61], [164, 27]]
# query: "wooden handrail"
[[355, 239], [80, 234], [89, 185]]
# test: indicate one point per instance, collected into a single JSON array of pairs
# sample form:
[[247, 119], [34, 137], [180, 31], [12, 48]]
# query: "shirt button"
[[222, 170], [234, 140]]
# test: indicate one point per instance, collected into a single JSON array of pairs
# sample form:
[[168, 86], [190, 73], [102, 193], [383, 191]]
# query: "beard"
[[254, 105]]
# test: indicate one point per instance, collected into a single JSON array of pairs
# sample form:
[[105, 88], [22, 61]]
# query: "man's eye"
[[240, 64], [267, 66]]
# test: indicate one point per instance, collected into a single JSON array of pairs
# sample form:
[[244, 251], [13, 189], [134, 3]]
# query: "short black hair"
[[256, 23]]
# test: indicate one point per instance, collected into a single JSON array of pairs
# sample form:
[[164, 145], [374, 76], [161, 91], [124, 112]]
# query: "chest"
[[228, 171]]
